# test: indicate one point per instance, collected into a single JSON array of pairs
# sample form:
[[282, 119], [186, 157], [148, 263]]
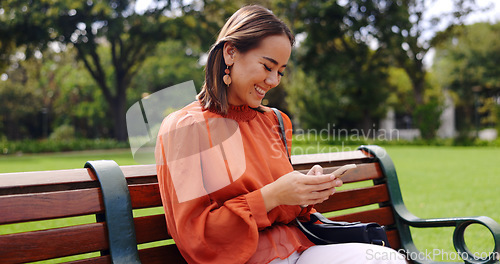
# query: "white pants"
[[344, 253]]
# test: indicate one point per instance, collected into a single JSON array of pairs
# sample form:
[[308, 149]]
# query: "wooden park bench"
[[90, 215]]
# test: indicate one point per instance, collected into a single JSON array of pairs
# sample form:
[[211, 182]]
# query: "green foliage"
[[104, 57], [469, 68], [111, 39], [401, 93], [172, 63], [307, 102], [347, 80], [312, 143], [20, 108], [63, 133], [427, 118], [43, 93], [55, 145]]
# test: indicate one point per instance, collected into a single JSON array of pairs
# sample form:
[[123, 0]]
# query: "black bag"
[[331, 232]]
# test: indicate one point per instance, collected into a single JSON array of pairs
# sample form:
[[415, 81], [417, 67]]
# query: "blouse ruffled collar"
[[241, 113]]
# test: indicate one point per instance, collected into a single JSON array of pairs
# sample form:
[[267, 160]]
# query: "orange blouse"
[[210, 171]]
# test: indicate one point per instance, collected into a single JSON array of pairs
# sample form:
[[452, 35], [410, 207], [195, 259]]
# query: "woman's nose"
[[272, 80]]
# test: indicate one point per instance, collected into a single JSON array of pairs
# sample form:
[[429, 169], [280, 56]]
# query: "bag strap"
[[319, 217], [118, 214], [311, 234], [316, 216], [282, 128]]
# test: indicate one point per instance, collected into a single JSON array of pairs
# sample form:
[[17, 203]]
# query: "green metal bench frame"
[[404, 219]]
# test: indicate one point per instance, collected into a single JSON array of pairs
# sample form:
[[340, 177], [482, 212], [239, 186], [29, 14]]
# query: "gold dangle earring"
[[227, 78]]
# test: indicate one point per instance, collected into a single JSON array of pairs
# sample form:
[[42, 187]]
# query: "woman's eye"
[[269, 69]]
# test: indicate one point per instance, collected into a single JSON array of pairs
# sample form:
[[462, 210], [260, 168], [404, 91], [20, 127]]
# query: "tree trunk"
[[418, 89], [367, 125], [417, 76], [118, 111]]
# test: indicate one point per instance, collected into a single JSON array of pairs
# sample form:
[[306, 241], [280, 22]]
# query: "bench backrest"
[[55, 214]]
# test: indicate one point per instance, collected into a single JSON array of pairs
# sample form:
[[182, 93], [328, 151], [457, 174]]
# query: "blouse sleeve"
[[204, 230], [286, 213]]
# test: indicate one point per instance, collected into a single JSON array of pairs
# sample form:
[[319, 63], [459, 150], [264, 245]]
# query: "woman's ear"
[[228, 51]]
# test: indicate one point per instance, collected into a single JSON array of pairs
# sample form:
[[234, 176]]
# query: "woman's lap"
[[345, 253]]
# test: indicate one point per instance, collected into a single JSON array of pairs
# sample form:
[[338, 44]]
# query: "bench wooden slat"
[[151, 228], [383, 216], [24, 179], [332, 158], [159, 255], [139, 171], [393, 237], [354, 198], [145, 195], [65, 241], [19, 208], [363, 172], [46, 181]]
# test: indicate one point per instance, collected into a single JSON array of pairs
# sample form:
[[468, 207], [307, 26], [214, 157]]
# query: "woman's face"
[[257, 71]]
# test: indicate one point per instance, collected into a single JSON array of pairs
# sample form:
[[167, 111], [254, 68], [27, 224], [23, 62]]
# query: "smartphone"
[[340, 172]]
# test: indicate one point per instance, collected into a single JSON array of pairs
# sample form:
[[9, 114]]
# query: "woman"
[[227, 186]]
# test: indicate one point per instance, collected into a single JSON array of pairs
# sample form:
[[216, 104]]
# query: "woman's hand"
[[296, 188]]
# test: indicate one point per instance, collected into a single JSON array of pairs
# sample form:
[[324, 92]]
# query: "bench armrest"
[[460, 224], [405, 219]]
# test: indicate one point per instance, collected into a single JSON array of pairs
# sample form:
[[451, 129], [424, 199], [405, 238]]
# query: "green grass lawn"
[[62, 160], [435, 182], [449, 182]]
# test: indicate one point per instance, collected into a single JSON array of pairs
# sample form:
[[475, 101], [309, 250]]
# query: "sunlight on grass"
[[449, 182], [46, 224]]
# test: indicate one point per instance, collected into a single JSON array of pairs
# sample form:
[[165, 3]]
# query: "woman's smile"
[[260, 92]]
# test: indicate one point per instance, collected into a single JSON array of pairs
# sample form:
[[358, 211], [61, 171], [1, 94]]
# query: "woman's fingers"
[[321, 179], [326, 185], [296, 188], [315, 170]]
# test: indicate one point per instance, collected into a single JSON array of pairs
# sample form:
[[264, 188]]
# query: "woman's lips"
[[260, 92]]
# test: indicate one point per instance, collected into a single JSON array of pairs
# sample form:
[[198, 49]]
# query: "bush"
[[427, 118], [49, 145], [307, 140], [63, 133]]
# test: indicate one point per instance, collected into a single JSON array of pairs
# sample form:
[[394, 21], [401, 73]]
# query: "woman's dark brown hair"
[[244, 30]]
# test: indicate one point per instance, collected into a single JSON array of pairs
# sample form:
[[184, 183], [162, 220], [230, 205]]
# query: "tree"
[[406, 34], [21, 104], [44, 92], [350, 76], [339, 32], [469, 68], [172, 63], [111, 39]]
